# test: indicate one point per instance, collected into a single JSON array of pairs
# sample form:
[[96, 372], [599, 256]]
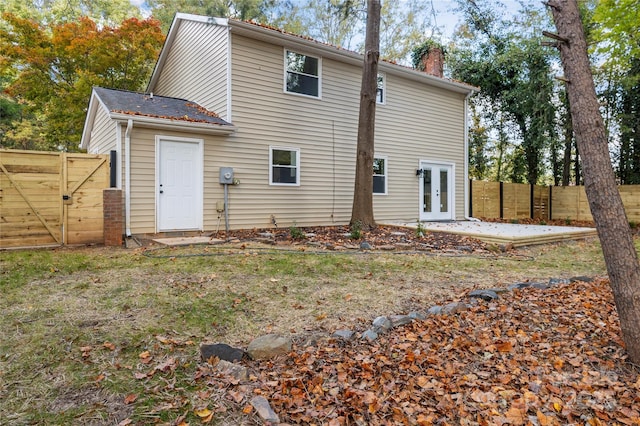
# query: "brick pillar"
[[113, 213]]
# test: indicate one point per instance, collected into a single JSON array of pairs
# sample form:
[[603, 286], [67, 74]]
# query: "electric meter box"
[[226, 175]]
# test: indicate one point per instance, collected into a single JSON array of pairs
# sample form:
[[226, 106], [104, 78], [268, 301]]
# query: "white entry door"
[[179, 184], [436, 191]]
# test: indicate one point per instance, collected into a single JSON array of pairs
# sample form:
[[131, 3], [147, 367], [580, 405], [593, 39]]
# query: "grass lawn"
[[109, 336]]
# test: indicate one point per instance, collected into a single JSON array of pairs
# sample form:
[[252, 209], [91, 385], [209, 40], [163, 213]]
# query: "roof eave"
[[176, 125]]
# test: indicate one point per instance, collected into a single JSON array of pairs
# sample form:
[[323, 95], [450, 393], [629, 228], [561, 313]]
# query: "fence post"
[[470, 197], [532, 197], [550, 213], [501, 201]]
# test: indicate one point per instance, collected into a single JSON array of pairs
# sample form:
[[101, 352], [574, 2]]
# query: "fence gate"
[[49, 198]]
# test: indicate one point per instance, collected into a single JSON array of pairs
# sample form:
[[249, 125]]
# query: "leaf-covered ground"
[[533, 357]]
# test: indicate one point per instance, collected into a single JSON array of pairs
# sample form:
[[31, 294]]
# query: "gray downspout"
[[127, 172]]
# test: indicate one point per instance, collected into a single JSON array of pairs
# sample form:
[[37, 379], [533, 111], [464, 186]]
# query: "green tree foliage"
[[617, 35], [512, 69], [104, 12], [479, 162], [258, 10], [57, 65]]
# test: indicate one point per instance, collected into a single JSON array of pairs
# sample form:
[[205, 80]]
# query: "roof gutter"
[[176, 125]]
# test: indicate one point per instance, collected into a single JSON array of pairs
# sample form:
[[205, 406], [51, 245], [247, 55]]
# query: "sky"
[[445, 17]]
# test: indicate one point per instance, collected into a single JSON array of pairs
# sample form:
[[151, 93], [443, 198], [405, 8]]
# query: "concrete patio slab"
[[506, 233]]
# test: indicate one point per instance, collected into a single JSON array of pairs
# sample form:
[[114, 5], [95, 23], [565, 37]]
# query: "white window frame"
[[284, 148], [286, 72], [382, 87], [385, 175]]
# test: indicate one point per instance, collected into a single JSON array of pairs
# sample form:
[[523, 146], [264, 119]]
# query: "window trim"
[[284, 148], [286, 71], [385, 175], [384, 89]]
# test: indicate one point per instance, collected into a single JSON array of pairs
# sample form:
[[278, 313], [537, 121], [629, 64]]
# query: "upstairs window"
[[381, 93], [284, 166], [302, 74], [380, 175]]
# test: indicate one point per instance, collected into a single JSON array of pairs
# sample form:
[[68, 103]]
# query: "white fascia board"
[[177, 125], [171, 36]]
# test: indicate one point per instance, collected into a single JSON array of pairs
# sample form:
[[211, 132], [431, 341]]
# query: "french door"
[[436, 191]]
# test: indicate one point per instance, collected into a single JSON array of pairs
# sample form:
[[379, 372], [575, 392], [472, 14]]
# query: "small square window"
[[284, 166], [381, 91], [302, 74], [380, 175]]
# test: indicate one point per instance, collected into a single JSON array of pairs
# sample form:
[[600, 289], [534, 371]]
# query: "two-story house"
[[264, 123]]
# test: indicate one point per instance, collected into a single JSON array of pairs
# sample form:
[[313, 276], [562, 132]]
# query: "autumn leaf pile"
[[534, 357]]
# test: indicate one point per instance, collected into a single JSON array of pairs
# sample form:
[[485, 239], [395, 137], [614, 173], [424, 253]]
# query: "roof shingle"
[[162, 107]]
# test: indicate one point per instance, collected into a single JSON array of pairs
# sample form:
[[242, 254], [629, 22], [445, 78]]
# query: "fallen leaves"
[[532, 357]]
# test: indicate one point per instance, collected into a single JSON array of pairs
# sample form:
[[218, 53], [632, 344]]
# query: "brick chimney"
[[433, 62]]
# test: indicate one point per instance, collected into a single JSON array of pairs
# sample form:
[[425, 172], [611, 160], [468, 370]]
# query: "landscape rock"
[[398, 320], [417, 315], [344, 334], [381, 325], [519, 286], [486, 295], [453, 308], [222, 351], [365, 246], [387, 247], [581, 278], [540, 286], [558, 281], [269, 346], [499, 290], [434, 310], [264, 410], [236, 371], [370, 335]]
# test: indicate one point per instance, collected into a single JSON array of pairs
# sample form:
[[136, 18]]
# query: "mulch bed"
[[336, 237]]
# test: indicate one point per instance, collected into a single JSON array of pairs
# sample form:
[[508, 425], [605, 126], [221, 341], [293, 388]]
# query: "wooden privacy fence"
[[518, 201], [49, 198]]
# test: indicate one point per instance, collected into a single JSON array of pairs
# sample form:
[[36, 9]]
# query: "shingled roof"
[[161, 107]]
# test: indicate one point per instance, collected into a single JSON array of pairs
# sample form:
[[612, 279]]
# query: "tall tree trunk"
[[362, 210], [604, 199]]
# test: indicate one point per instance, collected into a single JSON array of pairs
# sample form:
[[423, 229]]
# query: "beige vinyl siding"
[[323, 129], [103, 135], [217, 152], [418, 122], [196, 68]]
